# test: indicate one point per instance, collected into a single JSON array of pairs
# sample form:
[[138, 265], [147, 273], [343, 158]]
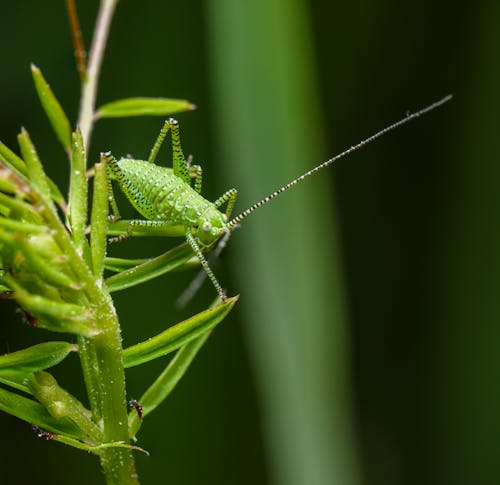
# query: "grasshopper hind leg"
[[159, 141], [195, 173]]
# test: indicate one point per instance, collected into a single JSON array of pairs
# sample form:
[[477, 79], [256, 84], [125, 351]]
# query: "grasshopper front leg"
[[196, 248]]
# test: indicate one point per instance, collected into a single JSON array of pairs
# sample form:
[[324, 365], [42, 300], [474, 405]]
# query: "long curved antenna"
[[233, 222]]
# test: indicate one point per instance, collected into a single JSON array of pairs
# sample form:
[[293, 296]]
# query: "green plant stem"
[[89, 85], [102, 364], [117, 463]]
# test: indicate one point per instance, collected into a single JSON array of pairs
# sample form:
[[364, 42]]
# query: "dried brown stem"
[[76, 35]]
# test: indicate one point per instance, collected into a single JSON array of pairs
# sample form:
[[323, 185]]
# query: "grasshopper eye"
[[207, 226]]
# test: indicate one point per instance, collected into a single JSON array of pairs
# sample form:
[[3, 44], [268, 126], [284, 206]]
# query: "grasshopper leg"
[[137, 223], [196, 248], [180, 164], [230, 198], [159, 141]]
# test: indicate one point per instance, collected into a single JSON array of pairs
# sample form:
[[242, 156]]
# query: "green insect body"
[[160, 195], [172, 196]]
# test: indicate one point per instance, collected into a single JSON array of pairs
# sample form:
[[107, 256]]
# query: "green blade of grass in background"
[[463, 328], [285, 256]]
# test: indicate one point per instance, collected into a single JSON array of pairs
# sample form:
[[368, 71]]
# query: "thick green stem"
[[118, 463], [102, 364]]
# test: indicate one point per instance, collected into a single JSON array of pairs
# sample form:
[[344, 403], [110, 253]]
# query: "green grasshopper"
[[169, 197]]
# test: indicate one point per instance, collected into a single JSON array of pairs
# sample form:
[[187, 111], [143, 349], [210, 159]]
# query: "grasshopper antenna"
[[411, 116]]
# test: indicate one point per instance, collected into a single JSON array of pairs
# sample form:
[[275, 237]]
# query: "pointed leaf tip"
[[52, 108], [177, 335], [36, 358]]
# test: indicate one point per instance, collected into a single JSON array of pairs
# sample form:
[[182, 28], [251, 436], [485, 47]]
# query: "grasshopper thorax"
[[213, 224]]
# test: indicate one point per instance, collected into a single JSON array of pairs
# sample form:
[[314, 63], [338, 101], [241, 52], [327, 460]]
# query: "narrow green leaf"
[[121, 264], [54, 315], [7, 187], [17, 165], [99, 218], [178, 335], [52, 108], [123, 108], [166, 382], [24, 227], [47, 270], [12, 160], [19, 209], [151, 269], [34, 413], [36, 173], [35, 358], [97, 449], [77, 209], [55, 193], [18, 381]]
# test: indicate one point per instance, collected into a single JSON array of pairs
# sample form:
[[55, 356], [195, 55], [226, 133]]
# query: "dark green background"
[[365, 347]]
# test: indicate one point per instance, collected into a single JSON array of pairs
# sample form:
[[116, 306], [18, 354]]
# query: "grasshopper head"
[[213, 224]]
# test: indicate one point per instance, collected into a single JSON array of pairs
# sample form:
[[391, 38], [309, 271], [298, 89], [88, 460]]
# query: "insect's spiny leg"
[[362, 143], [180, 165], [187, 295], [114, 170], [159, 141], [111, 166], [196, 172], [137, 223], [115, 216], [230, 198], [194, 246], [123, 236]]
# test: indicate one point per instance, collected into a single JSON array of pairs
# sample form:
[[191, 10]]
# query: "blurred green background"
[[365, 346]]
